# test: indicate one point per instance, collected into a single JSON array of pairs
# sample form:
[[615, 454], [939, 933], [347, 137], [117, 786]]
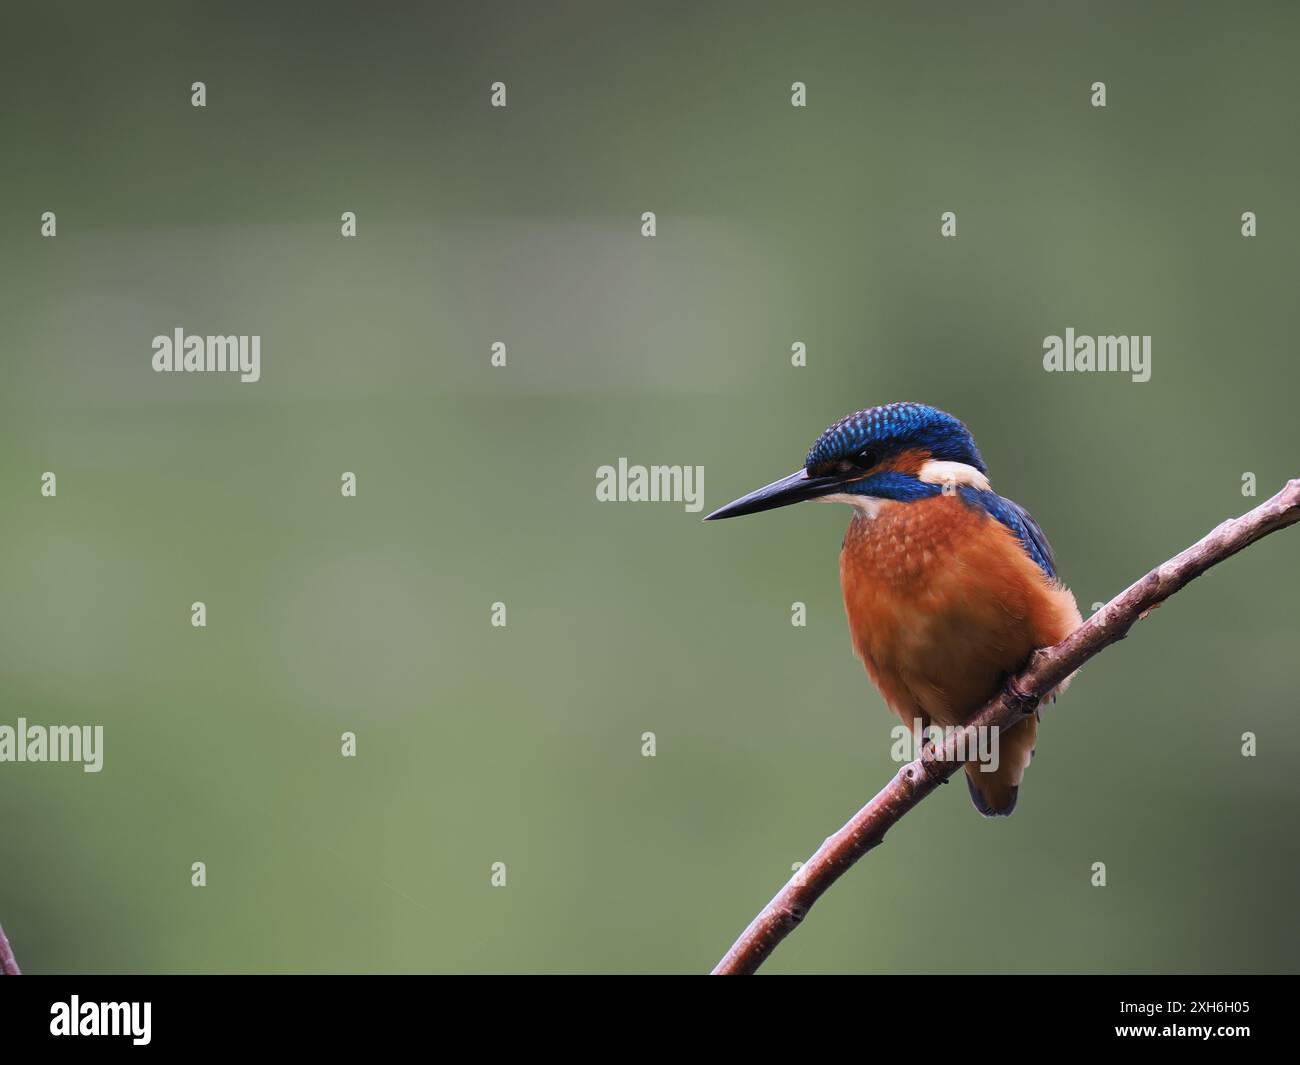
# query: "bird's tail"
[[994, 794]]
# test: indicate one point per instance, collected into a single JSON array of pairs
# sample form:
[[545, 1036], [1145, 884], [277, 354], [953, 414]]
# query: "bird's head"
[[900, 452]]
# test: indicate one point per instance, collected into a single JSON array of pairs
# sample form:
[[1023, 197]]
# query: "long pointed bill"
[[793, 489]]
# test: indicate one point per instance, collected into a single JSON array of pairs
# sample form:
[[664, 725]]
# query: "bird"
[[948, 587]]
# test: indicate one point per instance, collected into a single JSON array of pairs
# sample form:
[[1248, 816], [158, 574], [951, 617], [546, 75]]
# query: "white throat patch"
[[868, 506]]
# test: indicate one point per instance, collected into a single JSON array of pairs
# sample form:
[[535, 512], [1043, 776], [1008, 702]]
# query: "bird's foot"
[[1022, 701]]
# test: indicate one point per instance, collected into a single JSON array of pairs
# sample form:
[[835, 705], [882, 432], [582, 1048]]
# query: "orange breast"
[[942, 603]]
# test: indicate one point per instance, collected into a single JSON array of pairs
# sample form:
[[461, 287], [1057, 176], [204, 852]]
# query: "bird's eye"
[[861, 460]]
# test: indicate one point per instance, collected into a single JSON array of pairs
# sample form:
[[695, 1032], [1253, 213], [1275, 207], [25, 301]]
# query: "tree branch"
[[8, 964], [1045, 670]]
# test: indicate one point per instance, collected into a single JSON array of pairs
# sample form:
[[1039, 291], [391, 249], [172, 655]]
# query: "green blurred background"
[[523, 744]]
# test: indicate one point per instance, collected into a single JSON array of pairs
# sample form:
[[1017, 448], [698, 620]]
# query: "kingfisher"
[[948, 586]]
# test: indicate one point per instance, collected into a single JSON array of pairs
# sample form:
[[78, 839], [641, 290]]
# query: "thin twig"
[[1045, 670], [8, 963]]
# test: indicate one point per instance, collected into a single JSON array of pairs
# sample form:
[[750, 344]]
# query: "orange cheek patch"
[[909, 461]]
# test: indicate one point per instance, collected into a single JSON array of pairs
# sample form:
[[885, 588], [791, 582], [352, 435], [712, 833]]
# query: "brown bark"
[[8, 965]]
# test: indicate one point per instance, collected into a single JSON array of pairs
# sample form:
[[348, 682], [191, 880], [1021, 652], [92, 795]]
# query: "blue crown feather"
[[886, 430]]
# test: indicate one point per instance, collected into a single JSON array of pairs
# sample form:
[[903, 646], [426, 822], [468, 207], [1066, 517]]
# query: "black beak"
[[793, 489]]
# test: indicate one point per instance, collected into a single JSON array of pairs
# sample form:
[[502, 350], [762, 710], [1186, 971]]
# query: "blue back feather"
[[1019, 521]]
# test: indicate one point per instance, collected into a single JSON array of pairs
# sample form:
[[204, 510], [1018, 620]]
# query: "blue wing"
[[1019, 521]]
